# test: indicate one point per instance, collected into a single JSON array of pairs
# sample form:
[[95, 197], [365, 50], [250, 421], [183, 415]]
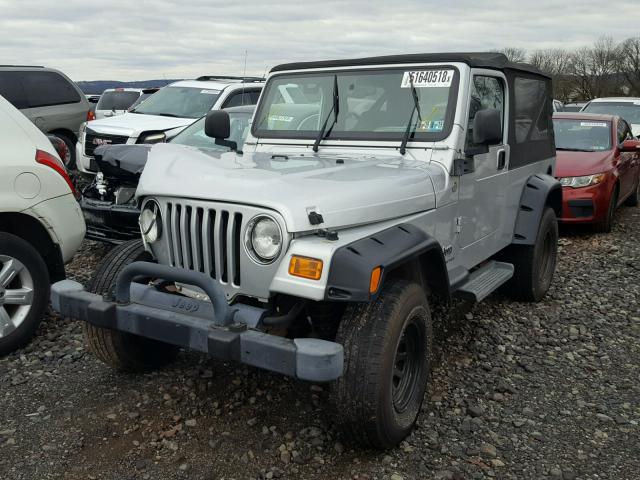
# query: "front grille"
[[93, 140], [205, 239]]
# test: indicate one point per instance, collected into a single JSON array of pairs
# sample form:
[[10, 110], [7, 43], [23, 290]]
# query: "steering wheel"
[[308, 119]]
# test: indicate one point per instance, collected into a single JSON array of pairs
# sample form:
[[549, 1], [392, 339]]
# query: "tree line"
[[606, 68]]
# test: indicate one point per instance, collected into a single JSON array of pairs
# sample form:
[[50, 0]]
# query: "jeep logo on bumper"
[[186, 305], [101, 141]]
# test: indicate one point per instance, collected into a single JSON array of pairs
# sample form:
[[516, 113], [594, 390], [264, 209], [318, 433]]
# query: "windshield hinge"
[[462, 166]]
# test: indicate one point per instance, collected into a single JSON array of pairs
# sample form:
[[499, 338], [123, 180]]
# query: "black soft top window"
[[531, 128]]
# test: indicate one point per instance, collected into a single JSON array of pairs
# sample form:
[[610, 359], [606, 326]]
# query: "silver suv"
[[368, 192], [49, 99]]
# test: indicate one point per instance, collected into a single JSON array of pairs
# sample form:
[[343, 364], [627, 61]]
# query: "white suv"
[[625, 107], [166, 113], [41, 225]]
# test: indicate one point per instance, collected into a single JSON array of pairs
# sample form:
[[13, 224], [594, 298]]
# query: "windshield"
[[185, 102], [372, 105], [582, 135], [194, 135], [630, 111], [118, 100]]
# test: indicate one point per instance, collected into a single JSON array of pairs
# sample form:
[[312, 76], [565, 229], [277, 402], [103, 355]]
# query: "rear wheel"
[[24, 291], [124, 351], [70, 158], [388, 347], [534, 265]]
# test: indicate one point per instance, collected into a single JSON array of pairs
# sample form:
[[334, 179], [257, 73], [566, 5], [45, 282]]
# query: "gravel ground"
[[520, 391]]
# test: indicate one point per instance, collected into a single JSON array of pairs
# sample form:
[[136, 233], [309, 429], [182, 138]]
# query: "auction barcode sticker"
[[593, 124], [210, 92], [427, 78]]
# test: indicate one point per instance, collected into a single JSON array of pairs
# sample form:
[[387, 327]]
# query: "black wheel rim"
[[407, 366]]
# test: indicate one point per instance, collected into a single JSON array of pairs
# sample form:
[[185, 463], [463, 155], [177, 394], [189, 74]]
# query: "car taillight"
[[91, 115], [49, 160]]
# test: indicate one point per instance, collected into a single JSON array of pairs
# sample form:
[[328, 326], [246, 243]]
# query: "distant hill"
[[99, 86]]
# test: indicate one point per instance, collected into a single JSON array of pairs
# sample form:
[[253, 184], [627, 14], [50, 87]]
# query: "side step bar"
[[486, 279]]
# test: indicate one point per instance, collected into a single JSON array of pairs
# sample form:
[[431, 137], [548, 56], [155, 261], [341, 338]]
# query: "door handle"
[[502, 159]]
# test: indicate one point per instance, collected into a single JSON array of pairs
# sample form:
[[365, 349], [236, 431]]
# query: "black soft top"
[[492, 60]]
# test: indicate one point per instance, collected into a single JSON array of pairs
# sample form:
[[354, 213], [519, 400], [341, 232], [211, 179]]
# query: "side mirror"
[[487, 127], [218, 126], [630, 146]]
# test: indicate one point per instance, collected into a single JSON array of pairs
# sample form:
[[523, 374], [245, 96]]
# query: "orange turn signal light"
[[374, 282], [305, 267]]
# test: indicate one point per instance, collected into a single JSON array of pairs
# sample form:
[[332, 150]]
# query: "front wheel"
[[534, 265], [634, 199], [388, 348], [607, 224], [124, 351]]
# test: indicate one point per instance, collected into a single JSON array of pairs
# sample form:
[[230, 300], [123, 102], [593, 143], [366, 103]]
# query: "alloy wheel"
[[16, 294]]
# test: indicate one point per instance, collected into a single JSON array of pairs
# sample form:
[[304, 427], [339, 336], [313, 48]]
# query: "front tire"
[[124, 351], [388, 347], [634, 199], [534, 265], [607, 224], [24, 292]]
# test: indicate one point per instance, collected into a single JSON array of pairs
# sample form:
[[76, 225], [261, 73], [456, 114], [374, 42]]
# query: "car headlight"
[[154, 137], [585, 181], [150, 221], [263, 239]]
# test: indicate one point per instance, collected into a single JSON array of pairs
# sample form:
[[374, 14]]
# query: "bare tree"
[[595, 69], [629, 64], [514, 54], [555, 63]]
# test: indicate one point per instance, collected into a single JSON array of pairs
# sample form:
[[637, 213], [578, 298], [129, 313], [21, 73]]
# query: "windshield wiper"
[[335, 109], [416, 108]]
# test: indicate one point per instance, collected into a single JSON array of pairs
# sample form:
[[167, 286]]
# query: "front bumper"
[[215, 328], [110, 223], [585, 205]]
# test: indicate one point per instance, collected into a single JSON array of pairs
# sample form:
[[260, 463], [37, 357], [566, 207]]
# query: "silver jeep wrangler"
[[368, 191]]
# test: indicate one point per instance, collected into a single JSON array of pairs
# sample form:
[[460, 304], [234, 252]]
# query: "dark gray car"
[[49, 99]]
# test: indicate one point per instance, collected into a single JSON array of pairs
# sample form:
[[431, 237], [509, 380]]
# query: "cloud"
[[127, 40]]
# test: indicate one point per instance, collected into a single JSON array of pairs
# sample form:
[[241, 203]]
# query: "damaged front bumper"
[[222, 331], [109, 222]]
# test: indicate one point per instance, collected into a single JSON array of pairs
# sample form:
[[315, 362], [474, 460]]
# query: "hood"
[[576, 164], [133, 124], [121, 160], [345, 190]]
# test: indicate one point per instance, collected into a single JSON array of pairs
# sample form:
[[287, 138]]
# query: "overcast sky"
[[139, 40]]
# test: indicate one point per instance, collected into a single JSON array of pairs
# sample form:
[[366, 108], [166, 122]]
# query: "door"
[[626, 161], [483, 191]]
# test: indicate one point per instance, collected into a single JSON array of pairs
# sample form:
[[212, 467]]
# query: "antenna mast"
[[244, 75]]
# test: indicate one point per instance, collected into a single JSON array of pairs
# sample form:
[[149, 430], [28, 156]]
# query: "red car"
[[598, 166]]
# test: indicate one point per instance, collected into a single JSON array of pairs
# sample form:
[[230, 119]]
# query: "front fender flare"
[[540, 191], [351, 264]]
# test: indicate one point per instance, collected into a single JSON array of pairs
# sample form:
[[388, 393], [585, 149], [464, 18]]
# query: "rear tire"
[[21, 269], [535, 264], [70, 162], [388, 348], [124, 351]]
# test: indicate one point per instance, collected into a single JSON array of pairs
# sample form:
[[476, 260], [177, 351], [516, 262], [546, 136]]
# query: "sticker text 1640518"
[[427, 78]]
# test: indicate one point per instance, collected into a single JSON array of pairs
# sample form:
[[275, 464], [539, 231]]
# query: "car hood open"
[[345, 190]]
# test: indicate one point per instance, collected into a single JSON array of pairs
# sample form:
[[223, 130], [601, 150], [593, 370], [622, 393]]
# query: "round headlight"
[[263, 239], [150, 225]]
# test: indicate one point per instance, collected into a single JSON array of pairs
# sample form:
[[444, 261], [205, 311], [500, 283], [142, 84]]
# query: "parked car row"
[[314, 236]]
